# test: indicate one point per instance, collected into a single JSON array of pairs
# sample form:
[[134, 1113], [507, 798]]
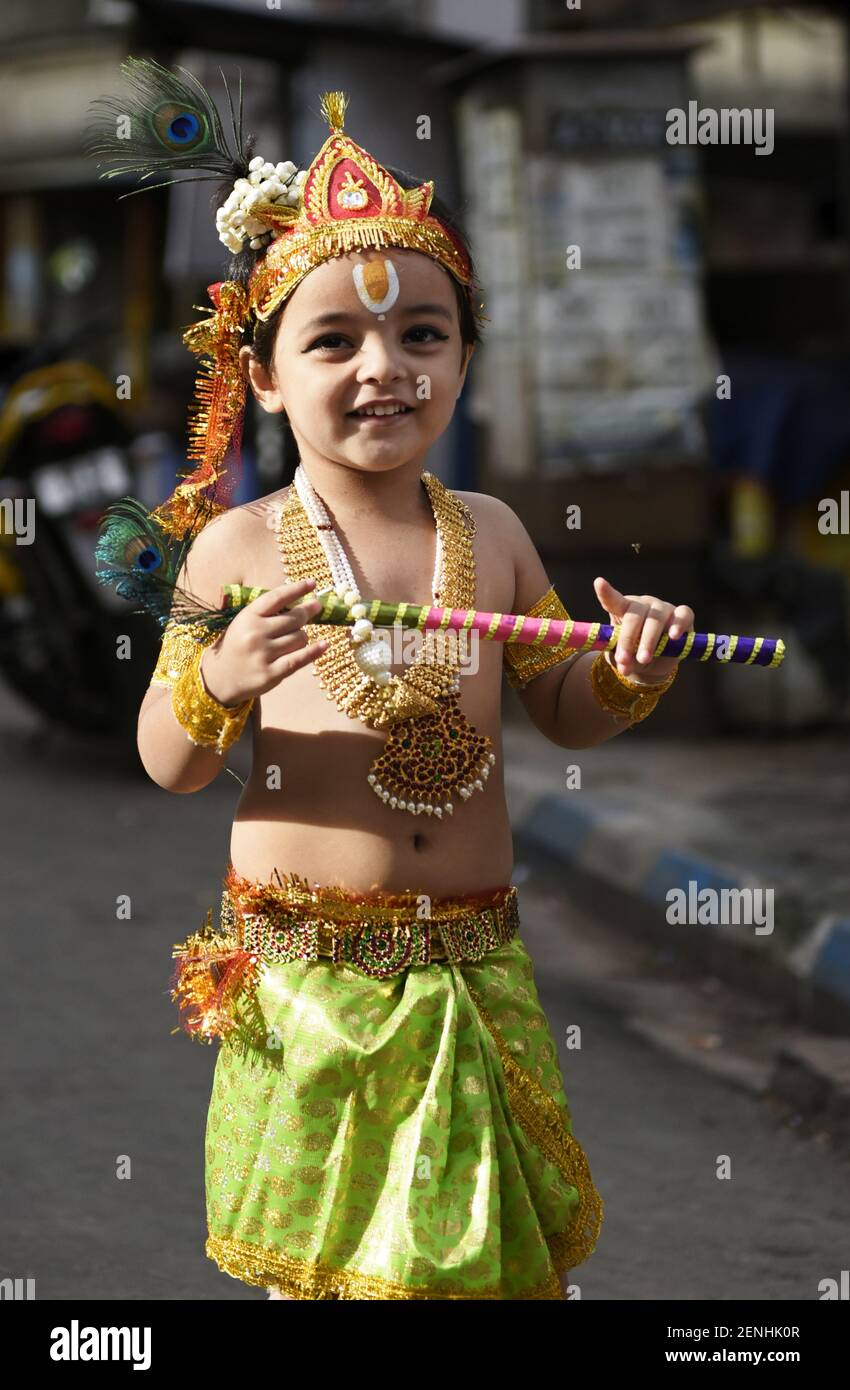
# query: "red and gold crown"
[[348, 202]]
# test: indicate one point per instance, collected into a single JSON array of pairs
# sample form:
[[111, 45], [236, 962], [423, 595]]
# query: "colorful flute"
[[545, 632]]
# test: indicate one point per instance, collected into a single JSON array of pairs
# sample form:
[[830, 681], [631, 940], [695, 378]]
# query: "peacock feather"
[[165, 124], [142, 562]]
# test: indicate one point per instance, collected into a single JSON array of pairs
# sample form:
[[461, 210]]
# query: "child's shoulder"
[[507, 535], [240, 520], [492, 516], [236, 533]]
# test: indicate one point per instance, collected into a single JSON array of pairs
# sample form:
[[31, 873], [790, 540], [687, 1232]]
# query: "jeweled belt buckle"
[[379, 950]]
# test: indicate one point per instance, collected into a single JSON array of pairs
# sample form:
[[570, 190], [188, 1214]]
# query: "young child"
[[388, 1118]]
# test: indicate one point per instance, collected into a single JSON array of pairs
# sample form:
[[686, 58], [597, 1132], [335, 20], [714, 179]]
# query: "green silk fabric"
[[399, 1138]]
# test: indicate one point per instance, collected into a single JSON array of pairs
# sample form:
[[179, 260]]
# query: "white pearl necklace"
[[371, 653]]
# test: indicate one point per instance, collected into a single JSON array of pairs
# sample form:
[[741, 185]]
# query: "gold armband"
[[179, 647], [525, 660], [624, 698], [207, 723]]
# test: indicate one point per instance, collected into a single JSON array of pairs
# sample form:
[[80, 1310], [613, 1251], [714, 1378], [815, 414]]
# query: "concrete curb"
[[591, 834]]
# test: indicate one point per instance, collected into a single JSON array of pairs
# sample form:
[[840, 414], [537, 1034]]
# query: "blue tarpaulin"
[[787, 424]]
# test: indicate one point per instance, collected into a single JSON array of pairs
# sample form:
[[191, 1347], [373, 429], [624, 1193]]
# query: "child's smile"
[[380, 413]]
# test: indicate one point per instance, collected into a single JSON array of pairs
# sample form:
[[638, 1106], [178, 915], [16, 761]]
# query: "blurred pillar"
[[141, 280], [21, 302]]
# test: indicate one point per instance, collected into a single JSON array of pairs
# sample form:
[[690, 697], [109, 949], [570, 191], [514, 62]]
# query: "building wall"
[[792, 60]]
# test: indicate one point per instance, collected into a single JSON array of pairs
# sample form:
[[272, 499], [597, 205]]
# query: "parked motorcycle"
[[68, 645]]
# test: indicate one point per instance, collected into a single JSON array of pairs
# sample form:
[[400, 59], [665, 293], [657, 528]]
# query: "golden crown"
[[348, 202]]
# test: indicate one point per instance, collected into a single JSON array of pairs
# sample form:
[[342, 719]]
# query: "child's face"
[[382, 344]]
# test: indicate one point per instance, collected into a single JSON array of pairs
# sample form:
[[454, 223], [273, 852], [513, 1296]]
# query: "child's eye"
[[330, 341], [426, 328]]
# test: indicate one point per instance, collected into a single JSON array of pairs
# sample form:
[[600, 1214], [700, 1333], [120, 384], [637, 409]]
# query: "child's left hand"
[[643, 619]]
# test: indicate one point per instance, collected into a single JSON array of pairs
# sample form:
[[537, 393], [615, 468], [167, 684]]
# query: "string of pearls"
[[371, 653], [266, 183]]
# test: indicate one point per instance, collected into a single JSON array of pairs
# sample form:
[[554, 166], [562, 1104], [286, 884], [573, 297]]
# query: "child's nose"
[[380, 359]]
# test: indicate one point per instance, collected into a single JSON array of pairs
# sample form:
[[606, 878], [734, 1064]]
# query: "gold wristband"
[[624, 698], [180, 643], [207, 723]]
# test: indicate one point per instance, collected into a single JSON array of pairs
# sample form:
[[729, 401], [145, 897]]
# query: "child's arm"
[[560, 701], [167, 754], [258, 648]]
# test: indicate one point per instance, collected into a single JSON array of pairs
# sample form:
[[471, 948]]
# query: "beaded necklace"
[[432, 750]]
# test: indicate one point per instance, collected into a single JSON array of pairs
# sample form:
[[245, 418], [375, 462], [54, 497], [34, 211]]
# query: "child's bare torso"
[[324, 821]]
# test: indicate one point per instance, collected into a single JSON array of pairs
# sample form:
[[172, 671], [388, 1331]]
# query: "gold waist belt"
[[381, 934]]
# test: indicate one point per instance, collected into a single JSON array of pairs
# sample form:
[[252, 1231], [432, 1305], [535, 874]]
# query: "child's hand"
[[261, 646], [643, 620]]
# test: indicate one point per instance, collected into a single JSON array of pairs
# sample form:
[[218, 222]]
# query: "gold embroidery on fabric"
[[540, 1117], [265, 1268]]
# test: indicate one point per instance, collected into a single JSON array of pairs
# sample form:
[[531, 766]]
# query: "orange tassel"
[[216, 415], [210, 971]]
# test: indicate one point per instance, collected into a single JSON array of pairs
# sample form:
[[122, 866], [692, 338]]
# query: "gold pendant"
[[426, 759]]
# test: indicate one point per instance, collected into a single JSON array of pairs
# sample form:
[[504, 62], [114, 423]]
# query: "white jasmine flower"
[[266, 183]]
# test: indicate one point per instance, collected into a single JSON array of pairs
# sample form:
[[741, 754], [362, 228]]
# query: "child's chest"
[[390, 562], [397, 563]]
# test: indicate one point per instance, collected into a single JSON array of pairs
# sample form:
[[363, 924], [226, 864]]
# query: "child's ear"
[[470, 348], [260, 381]]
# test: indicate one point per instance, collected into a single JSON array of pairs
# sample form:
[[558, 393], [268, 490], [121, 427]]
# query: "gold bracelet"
[[178, 650], [207, 723], [624, 698]]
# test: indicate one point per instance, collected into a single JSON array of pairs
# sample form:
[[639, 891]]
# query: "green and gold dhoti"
[[388, 1117]]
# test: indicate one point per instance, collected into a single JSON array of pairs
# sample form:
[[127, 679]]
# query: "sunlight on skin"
[[395, 325]]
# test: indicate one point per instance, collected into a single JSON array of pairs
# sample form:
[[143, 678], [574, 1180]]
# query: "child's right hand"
[[261, 646]]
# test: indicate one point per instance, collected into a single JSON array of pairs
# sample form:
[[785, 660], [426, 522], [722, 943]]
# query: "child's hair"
[[260, 337]]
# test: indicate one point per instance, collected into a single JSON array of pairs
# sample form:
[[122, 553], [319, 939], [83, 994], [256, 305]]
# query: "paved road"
[[654, 1119], [92, 1072]]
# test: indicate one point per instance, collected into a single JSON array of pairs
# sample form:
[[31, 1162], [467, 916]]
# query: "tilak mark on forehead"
[[376, 284]]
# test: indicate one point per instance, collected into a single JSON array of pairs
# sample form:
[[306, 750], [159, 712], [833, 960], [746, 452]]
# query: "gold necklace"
[[432, 750]]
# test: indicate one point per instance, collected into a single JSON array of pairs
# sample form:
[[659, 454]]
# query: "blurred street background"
[[673, 413]]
